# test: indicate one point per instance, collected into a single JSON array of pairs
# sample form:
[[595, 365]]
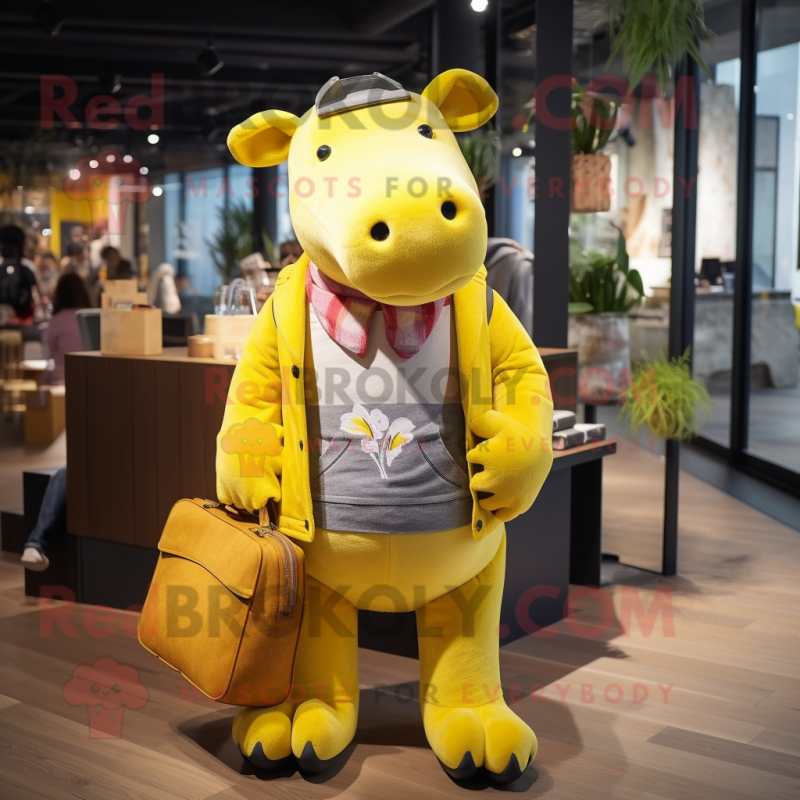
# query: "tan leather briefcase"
[[225, 603]]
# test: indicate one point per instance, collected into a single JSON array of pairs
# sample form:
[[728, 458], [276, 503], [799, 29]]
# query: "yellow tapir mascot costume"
[[414, 411]]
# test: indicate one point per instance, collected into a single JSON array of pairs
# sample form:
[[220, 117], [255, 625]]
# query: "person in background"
[[63, 334], [161, 290], [117, 268], [17, 278], [290, 252], [47, 274], [509, 271], [78, 262], [52, 522]]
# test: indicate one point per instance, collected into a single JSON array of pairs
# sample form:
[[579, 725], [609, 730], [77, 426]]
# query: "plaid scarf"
[[346, 314]]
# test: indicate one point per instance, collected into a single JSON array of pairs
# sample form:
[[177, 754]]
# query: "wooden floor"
[[721, 718]]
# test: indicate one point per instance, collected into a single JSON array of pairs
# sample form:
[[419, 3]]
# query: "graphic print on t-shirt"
[[387, 435]]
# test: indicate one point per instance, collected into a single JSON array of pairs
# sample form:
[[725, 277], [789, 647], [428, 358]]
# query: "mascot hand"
[[249, 458], [515, 463]]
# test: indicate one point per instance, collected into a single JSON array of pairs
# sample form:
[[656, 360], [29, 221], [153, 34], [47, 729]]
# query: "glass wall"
[[774, 413], [715, 246], [193, 208]]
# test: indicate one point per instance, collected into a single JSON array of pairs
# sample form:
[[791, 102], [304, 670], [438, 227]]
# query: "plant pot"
[[591, 183], [604, 356]]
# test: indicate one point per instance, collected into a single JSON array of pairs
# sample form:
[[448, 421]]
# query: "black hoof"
[[309, 761], [510, 773], [260, 761], [466, 769]]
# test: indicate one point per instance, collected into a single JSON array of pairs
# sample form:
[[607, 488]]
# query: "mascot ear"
[[465, 99], [264, 139]]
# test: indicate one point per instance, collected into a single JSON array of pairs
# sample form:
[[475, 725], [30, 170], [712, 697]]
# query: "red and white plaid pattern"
[[346, 313]]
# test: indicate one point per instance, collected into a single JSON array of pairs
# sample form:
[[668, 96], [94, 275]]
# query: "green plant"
[[233, 241], [656, 33], [481, 151], [600, 283], [591, 134], [663, 396]]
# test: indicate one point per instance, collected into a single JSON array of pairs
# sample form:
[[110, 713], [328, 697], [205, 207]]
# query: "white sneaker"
[[35, 561]]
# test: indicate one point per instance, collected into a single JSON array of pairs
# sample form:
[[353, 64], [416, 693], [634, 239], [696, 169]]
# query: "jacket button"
[[295, 371], [301, 444], [478, 524]]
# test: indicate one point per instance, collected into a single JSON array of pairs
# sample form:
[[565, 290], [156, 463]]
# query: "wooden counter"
[[141, 435]]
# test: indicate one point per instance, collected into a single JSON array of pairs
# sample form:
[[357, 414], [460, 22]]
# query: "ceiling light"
[[75, 174], [127, 159], [153, 138], [93, 164], [111, 158], [29, 209], [157, 191], [479, 5], [47, 232], [209, 62], [48, 19], [516, 152], [143, 170]]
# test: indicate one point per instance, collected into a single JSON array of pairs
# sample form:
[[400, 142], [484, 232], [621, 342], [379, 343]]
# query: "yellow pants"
[[457, 624]]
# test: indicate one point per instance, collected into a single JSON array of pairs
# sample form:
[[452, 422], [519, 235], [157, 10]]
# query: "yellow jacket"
[[501, 373]]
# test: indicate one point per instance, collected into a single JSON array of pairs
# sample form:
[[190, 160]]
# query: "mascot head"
[[381, 198]]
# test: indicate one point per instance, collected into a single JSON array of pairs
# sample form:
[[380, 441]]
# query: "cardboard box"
[[122, 292], [130, 332], [229, 332], [44, 414]]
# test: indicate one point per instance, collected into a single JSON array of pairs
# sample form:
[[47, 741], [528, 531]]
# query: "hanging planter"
[[591, 182], [594, 121]]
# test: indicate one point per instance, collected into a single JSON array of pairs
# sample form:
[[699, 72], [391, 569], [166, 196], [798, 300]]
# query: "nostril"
[[448, 209], [379, 231]]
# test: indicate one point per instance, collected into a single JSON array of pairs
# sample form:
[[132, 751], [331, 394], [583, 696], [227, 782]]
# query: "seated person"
[[51, 523], [17, 279], [117, 268], [47, 274], [63, 334]]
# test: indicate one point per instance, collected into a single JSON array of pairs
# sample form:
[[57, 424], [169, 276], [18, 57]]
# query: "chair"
[[89, 326], [13, 383]]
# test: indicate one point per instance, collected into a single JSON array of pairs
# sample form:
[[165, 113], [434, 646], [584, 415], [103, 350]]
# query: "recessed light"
[[516, 152], [75, 174], [157, 191], [29, 209], [143, 170], [479, 5], [93, 164], [153, 138], [127, 159]]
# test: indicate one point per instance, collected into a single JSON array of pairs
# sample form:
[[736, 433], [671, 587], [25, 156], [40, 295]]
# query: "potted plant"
[[594, 119], [663, 396], [602, 289], [656, 33]]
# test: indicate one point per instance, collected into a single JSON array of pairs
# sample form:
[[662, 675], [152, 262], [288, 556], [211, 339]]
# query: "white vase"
[[604, 355]]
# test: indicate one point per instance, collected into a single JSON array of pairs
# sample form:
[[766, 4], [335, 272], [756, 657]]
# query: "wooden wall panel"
[[120, 443], [193, 450], [101, 449], [168, 437], [214, 393], [77, 455], [145, 453]]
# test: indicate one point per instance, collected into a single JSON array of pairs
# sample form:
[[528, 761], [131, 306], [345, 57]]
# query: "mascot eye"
[[426, 131], [116, 688], [323, 151]]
